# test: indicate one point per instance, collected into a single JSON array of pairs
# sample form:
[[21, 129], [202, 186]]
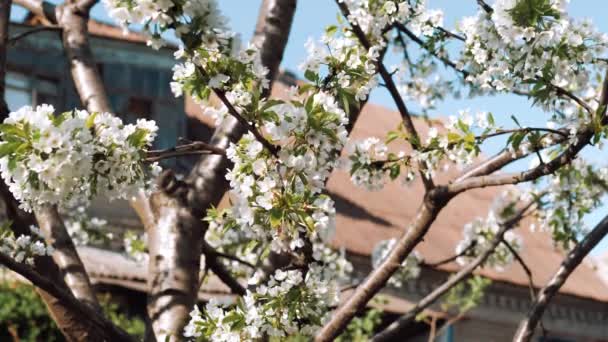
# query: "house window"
[[23, 90], [18, 92]]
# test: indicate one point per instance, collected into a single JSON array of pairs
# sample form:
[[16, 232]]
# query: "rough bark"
[[573, 259], [65, 255], [175, 246], [172, 276]]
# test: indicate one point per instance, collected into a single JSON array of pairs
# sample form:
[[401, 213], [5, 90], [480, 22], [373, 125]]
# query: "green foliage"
[[466, 295], [23, 315], [135, 326], [529, 13], [361, 328]]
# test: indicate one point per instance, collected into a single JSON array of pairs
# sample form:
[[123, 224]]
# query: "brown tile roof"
[[98, 29], [364, 218]]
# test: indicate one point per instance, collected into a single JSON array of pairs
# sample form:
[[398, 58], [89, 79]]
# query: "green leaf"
[[137, 138], [9, 148], [516, 139], [59, 119], [515, 120], [392, 136], [276, 217], [91, 120], [311, 76], [395, 170], [12, 130], [331, 30]]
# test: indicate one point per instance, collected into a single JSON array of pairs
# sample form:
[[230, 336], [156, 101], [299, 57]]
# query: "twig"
[[561, 133], [225, 276], [487, 8], [234, 113], [213, 263], [528, 272], [22, 35], [396, 327], [464, 252], [234, 258], [197, 147], [422, 44], [392, 89], [348, 287], [523, 264], [451, 34]]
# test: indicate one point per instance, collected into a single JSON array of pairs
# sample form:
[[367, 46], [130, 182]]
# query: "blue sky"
[[312, 16]]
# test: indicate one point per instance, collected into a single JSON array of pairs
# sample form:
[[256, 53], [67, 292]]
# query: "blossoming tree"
[[271, 245]]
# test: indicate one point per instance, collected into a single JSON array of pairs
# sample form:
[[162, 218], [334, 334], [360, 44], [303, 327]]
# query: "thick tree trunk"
[[178, 225], [175, 247]]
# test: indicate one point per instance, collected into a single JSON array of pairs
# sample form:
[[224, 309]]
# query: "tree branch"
[[40, 8], [104, 329], [395, 328], [65, 255], [204, 187], [434, 201], [464, 252], [546, 294], [250, 127], [479, 178], [197, 147], [73, 22], [392, 89], [14, 39]]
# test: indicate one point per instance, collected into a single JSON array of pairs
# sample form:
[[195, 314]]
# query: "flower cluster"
[[570, 194], [24, 248], [531, 46], [410, 268], [276, 194], [289, 303], [67, 159], [87, 231], [478, 234], [279, 202], [375, 16], [458, 142], [135, 246], [212, 55], [199, 18], [367, 163]]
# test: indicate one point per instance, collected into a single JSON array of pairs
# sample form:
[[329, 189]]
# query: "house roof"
[[113, 268], [99, 29], [365, 218]]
